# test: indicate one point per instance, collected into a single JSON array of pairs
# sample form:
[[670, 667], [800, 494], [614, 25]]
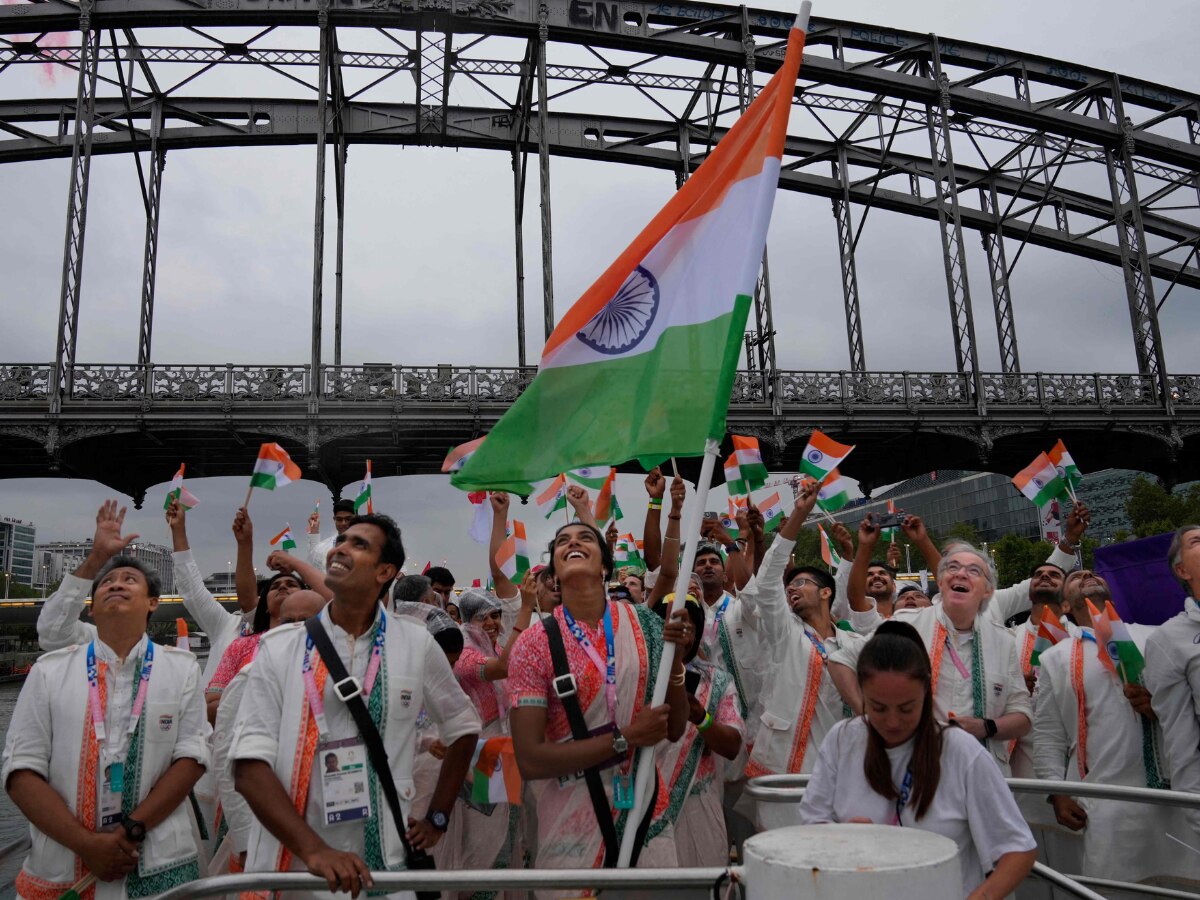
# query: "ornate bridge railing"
[[338, 385]]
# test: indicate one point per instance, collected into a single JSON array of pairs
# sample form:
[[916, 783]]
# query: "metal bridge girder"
[[846, 240], [993, 246]]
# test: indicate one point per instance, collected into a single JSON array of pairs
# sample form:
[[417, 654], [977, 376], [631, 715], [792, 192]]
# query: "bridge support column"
[[315, 386], [845, 233], [544, 169], [993, 246], [81, 162], [1131, 238], [158, 160], [339, 180], [950, 221]]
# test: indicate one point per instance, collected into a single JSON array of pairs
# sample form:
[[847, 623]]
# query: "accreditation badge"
[[109, 787], [344, 792]]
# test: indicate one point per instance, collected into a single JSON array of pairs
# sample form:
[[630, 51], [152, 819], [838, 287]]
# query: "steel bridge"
[[1015, 149]]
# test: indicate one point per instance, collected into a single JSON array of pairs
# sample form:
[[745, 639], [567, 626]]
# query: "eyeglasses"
[[974, 569], [802, 582]]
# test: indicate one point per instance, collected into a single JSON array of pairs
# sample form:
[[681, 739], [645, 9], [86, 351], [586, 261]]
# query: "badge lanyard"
[[905, 791], [818, 644], [315, 701], [97, 708], [710, 631], [609, 669]]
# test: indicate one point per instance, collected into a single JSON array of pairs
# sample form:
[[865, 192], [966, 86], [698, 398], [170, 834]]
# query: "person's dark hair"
[[711, 549], [393, 548], [124, 561], [440, 575], [875, 564], [606, 554], [820, 576], [343, 506], [897, 647], [1034, 570], [262, 613], [411, 589], [450, 640]]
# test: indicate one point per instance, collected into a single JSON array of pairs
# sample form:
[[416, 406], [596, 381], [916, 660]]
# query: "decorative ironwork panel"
[[358, 383], [502, 384], [1010, 389], [1185, 389], [748, 387], [108, 383], [1070, 390], [24, 382], [810, 387], [271, 383], [938, 388], [436, 383], [191, 383], [1126, 390], [875, 388]]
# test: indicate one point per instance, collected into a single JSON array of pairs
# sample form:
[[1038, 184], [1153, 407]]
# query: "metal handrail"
[[468, 879], [1067, 883], [790, 788], [1150, 890]]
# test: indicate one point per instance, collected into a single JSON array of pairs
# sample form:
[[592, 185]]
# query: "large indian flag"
[[643, 363]]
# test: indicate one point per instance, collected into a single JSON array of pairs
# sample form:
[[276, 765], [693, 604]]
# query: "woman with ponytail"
[[895, 765]]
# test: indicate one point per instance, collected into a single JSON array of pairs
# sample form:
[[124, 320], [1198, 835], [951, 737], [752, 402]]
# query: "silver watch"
[[620, 744]]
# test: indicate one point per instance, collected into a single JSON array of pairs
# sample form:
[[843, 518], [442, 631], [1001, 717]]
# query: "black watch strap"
[[134, 830], [989, 725]]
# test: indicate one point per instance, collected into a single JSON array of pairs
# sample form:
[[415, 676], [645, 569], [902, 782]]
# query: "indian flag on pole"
[[1049, 633], [1039, 480], [285, 540], [642, 365], [1121, 647], [772, 512], [458, 456], [495, 777], [364, 493], [186, 499], [627, 553], [828, 553], [834, 492], [1066, 468], [553, 497], [744, 470], [822, 455], [513, 555], [606, 499], [273, 468]]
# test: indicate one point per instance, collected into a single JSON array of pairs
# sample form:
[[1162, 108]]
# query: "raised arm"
[[496, 668], [769, 601], [737, 571], [581, 502], [210, 615], [669, 572], [279, 561], [58, 623], [500, 505], [914, 530], [856, 585], [1007, 602], [247, 584], [656, 486]]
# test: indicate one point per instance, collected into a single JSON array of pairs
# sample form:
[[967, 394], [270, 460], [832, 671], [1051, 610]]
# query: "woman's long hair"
[[897, 647]]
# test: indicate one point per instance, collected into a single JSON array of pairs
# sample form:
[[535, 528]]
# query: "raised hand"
[[754, 518], [868, 531], [713, 530], [314, 522], [499, 501], [893, 555], [108, 541], [1078, 520], [578, 498], [243, 528], [845, 541], [281, 561], [656, 483], [678, 493], [914, 529], [806, 499]]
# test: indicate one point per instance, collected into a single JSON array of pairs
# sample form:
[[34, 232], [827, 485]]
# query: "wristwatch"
[[438, 820], [989, 726], [134, 830], [620, 744]]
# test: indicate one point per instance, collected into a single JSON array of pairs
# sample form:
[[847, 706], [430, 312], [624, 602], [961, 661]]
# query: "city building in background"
[[221, 583], [68, 555], [17, 539]]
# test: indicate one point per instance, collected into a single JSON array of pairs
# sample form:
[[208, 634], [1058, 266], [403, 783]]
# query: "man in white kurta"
[[1114, 743], [1173, 673], [801, 650], [106, 740], [284, 741]]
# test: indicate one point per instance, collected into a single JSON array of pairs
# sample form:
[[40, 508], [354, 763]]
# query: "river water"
[[12, 823]]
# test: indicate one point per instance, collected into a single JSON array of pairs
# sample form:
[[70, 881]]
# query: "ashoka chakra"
[[626, 318]]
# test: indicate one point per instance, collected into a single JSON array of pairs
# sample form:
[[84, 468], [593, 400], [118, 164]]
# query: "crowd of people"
[[338, 723]]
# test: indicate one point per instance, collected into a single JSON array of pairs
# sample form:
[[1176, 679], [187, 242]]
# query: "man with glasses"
[[318, 549], [811, 661]]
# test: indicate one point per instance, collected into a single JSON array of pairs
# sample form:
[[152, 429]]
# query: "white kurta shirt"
[[973, 806], [1173, 678]]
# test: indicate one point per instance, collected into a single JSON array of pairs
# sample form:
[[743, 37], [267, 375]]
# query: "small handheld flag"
[[829, 553], [364, 493], [744, 470], [1066, 468], [834, 492], [772, 512], [627, 553], [181, 635], [1039, 481], [606, 499], [822, 455], [495, 777], [513, 555], [178, 492], [553, 498], [273, 468], [285, 540], [890, 533]]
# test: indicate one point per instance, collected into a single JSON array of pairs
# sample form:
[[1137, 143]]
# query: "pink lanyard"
[[956, 659], [710, 630], [94, 693], [607, 669], [315, 701]]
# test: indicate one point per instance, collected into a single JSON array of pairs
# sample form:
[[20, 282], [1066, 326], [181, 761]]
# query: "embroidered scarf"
[[941, 643]]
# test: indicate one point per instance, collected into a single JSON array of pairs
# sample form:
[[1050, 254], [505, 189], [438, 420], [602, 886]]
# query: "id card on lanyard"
[[111, 784], [343, 763]]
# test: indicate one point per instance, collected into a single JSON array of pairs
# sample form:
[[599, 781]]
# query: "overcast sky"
[[429, 258]]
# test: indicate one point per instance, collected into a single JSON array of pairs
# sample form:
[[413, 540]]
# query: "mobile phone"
[[691, 681], [710, 515], [890, 520]]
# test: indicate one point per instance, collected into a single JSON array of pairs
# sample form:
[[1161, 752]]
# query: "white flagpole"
[[645, 761]]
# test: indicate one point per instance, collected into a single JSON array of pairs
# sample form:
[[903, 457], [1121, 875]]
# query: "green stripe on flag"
[[263, 480]]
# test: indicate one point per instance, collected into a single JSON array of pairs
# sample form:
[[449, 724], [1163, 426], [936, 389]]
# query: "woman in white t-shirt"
[[895, 765]]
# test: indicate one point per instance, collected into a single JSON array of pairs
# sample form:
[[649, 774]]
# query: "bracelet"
[[656, 502], [670, 538], [706, 724], [680, 679], [517, 630], [674, 518]]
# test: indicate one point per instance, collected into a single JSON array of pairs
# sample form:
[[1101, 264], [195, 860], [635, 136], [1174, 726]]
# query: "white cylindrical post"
[[867, 862]]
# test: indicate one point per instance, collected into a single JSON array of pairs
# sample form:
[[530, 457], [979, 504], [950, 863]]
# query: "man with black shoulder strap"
[[298, 708]]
